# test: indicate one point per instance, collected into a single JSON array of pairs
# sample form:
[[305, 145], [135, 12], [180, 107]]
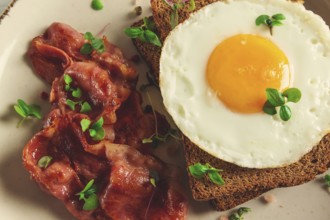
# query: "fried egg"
[[216, 66]]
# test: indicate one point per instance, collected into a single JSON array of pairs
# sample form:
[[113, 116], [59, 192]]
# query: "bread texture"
[[241, 184]]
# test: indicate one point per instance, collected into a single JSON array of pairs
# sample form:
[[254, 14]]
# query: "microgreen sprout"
[[96, 130], [44, 161], [97, 5], [270, 22], [176, 6], [85, 107], [239, 214], [145, 32], [26, 111], [198, 170], [154, 177], [156, 138], [276, 99], [88, 194], [75, 92], [92, 44]]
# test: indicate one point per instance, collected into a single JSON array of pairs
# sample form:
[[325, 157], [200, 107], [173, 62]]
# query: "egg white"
[[249, 140]]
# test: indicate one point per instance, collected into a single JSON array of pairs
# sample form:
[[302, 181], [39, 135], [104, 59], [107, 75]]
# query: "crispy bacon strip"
[[120, 164], [131, 192], [55, 50], [121, 172]]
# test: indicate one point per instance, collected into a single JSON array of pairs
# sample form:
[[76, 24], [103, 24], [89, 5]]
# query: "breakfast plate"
[[21, 198]]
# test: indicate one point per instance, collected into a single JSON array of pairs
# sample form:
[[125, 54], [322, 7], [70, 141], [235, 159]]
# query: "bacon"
[[127, 192], [114, 60], [120, 164], [131, 192], [71, 166], [59, 178], [65, 38], [49, 62], [100, 91], [55, 50]]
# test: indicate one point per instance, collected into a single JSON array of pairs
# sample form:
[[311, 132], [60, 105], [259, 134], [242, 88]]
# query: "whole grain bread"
[[242, 184]]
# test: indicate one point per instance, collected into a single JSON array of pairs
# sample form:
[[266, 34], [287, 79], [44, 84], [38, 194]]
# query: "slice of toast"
[[243, 181]]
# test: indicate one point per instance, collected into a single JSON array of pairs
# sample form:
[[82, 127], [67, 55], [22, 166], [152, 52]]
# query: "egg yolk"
[[242, 67]]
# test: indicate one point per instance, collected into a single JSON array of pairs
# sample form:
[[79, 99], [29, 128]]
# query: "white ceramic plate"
[[20, 198]]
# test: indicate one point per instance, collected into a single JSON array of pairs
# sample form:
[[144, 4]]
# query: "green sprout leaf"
[[292, 95], [92, 132], [278, 17], [88, 194], [276, 23], [274, 97], [152, 38], [98, 45], [85, 107], [96, 131], [174, 17], [88, 36], [93, 44], [44, 161], [198, 170], [270, 22], [134, 32], [25, 111], [86, 49], [76, 93], [98, 124], [20, 111], [71, 104], [261, 19], [277, 99], [285, 112], [156, 138], [91, 203], [269, 108], [98, 134], [85, 123], [192, 5], [238, 215], [215, 177], [145, 33], [67, 79]]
